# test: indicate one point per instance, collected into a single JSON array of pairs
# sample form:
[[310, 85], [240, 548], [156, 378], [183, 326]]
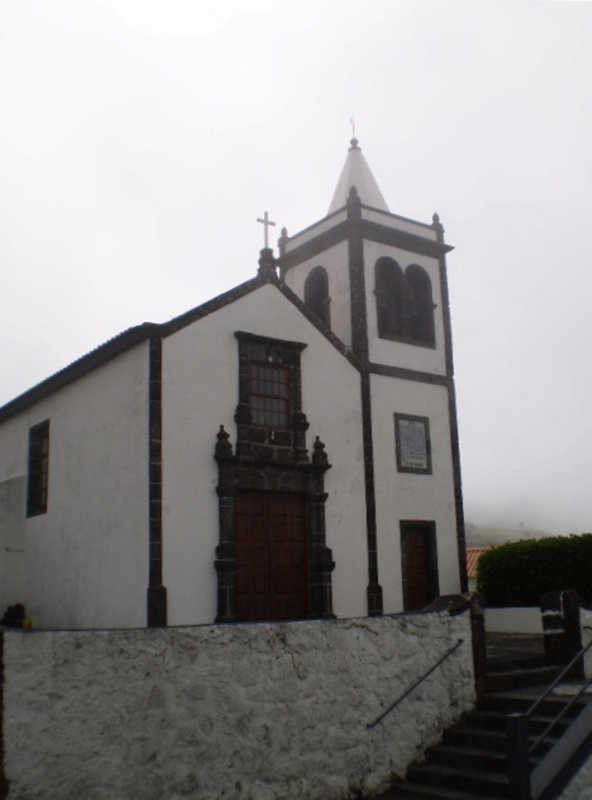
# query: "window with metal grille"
[[269, 393], [38, 477]]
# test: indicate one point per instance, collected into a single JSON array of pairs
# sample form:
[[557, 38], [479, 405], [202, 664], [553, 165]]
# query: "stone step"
[[516, 701], [471, 760], [528, 662], [466, 735], [468, 757], [417, 792], [519, 678], [496, 721], [474, 735], [480, 782]]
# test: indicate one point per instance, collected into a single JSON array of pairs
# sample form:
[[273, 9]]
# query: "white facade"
[[141, 519], [402, 496], [200, 393], [333, 261]]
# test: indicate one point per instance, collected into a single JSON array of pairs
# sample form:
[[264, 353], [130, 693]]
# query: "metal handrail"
[[548, 691], [518, 750], [558, 679], [414, 686]]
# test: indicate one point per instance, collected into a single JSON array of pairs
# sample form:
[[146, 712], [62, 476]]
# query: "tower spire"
[[356, 172]]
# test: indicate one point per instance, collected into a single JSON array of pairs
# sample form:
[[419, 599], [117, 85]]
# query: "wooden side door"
[[419, 565], [271, 556]]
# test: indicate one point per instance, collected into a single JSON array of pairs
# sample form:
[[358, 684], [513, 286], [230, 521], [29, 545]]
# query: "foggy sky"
[[140, 140]]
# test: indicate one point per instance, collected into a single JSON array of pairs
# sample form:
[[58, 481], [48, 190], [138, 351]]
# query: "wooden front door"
[[271, 556], [420, 577]]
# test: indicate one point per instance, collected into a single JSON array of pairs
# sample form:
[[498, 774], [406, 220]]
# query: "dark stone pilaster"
[[359, 323], [157, 593], [225, 563], [321, 561], [374, 589], [454, 439], [3, 782], [157, 606], [458, 498]]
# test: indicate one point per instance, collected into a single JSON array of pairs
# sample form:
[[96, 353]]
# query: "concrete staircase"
[[471, 760]]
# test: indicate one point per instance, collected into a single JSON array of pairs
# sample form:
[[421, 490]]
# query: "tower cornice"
[[415, 237]]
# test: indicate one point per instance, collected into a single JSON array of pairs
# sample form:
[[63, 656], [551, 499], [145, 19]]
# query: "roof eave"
[[82, 366]]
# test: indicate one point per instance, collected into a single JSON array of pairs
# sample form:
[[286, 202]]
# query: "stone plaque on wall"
[[412, 440]]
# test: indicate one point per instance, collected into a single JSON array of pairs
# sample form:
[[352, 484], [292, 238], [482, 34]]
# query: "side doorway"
[[271, 549], [419, 564]]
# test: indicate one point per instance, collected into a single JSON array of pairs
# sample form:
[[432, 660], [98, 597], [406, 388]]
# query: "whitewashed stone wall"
[[244, 712], [514, 620]]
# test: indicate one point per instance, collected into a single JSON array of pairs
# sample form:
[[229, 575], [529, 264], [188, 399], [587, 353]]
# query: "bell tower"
[[378, 282]]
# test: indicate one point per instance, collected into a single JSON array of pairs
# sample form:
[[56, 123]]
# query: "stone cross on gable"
[[267, 223]]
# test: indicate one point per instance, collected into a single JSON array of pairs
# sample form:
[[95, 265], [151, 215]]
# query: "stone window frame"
[[316, 294], [404, 303], [425, 421], [256, 440], [38, 470]]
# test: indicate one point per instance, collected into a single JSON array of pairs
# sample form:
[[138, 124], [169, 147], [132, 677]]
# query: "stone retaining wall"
[[242, 712]]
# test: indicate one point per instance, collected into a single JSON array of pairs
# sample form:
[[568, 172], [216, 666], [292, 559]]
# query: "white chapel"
[[287, 450]]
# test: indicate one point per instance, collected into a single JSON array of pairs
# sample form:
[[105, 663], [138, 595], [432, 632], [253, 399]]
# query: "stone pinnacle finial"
[[438, 227], [282, 241], [223, 446], [267, 263], [319, 456]]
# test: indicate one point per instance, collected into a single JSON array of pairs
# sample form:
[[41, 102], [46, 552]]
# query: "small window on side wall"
[[412, 443], [316, 294], [38, 470]]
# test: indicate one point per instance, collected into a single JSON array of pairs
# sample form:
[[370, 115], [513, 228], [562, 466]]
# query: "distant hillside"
[[483, 536]]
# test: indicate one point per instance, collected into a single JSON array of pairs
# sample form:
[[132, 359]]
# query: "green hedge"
[[516, 574]]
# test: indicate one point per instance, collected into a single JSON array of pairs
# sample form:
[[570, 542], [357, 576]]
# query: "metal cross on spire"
[[267, 223]]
